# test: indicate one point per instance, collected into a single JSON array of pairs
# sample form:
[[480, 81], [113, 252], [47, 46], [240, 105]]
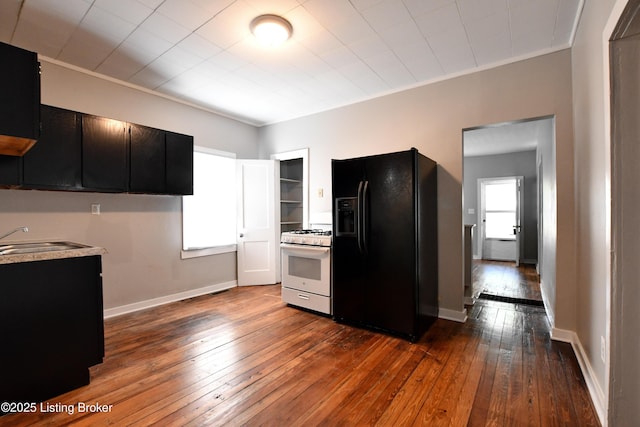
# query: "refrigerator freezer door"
[[347, 262]]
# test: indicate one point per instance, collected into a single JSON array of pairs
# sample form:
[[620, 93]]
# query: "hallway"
[[504, 281]]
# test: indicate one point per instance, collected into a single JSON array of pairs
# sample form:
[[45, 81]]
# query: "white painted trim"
[[590, 378], [614, 231], [469, 300], [154, 302], [456, 316], [547, 304]]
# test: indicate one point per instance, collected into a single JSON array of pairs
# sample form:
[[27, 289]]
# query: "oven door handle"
[[307, 251]]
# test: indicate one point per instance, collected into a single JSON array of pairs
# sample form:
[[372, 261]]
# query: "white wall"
[[593, 192], [143, 234], [431, 118]]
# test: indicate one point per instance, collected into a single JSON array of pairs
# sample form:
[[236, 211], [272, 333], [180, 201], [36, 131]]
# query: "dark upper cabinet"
[[148, 158], [55, 162], [179, 163], [105, 154], [19, 99]]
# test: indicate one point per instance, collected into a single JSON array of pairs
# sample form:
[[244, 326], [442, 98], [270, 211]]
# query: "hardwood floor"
[[242, 357], [506, 280]]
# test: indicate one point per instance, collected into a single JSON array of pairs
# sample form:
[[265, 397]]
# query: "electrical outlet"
[[95, 209], [603, 350]]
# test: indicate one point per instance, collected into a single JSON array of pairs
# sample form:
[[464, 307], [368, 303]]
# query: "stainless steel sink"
[[35, 247]]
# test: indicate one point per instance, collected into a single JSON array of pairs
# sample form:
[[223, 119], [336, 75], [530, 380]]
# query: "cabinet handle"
[[302, 296]]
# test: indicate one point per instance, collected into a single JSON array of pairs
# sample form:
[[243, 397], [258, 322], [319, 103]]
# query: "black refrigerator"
[[385, 242]]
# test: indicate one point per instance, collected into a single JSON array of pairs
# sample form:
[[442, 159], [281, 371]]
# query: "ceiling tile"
[[123, 63], [566, 19], [184, 12], [386, 14], [9, 19], [104, 25], [419, 60], [471, 10], [229, 26], [420, 7], [402, 34], [439, 21], [277, 7], [165, 28], [148, 45], [198, 45], [45, 26], [130, 11], [86, 50], [452, 50]]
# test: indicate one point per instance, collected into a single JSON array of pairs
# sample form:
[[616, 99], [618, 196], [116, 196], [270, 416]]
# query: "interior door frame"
[[303, 154], [481, 208]]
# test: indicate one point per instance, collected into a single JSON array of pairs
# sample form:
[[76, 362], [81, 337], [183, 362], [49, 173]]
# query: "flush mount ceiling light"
[[271, 30]]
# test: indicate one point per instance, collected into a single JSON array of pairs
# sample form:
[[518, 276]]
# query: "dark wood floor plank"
[[504, 279], [242, 357]]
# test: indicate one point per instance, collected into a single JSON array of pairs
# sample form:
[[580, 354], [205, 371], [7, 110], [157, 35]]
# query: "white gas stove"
[[306, 269], [314, 237]]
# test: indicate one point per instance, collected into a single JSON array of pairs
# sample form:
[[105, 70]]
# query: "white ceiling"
[[341, 52], [505, 137]]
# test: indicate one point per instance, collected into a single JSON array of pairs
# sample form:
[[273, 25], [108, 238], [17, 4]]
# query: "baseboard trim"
[[597, 395], [456, 316], [154, 302]]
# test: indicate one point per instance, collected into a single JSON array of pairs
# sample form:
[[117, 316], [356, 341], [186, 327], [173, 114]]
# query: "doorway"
[[624, 67], [501, 163], [499, 220]]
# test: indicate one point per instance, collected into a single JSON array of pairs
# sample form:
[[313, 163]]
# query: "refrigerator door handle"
[[365, 239], [358, 218]]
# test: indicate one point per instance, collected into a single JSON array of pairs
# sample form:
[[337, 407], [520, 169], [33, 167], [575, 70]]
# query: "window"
[[501, 203], [209, 215]]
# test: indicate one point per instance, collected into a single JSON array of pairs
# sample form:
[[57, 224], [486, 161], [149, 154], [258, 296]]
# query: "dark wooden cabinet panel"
[[147, 163], [55, 161], [10, 167], [52, 317], [105, 154], [179, 163], [19, 98]]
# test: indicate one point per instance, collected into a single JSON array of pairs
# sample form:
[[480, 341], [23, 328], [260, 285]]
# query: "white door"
[[500, 226], [258, 222]]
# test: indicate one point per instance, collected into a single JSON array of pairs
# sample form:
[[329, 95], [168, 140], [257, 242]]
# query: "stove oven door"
[[306, 268]]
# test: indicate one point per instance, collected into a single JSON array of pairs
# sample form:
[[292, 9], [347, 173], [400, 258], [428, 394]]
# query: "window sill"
[[195, 253]]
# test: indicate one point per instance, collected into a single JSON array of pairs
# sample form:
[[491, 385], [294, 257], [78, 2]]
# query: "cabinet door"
[[52, 317], [179, 163], [9, 171], [19, 93], [55, 160], [147, 160], [104, 154]]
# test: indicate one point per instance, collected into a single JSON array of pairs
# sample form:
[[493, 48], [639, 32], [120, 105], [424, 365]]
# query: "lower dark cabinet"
[[55, 161], [104, 154], [51, 314], [10, 167]]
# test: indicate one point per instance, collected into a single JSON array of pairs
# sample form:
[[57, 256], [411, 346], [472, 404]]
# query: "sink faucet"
[[23, 229]]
